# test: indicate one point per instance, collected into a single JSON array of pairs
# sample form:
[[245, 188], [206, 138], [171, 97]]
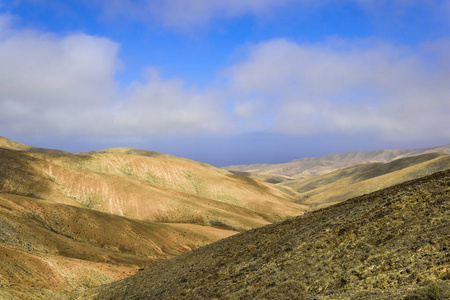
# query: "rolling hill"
[[145, 185], [390, 244], [72, 220], [324, 190], [323, 181], [56, 246]]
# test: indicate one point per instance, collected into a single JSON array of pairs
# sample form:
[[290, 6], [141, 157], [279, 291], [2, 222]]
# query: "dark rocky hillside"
[[391, 244]]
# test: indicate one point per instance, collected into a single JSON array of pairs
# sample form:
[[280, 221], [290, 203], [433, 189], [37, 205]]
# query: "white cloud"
[[165, 106], [37, 67], [65, 85], [349, 87], [47, 81]]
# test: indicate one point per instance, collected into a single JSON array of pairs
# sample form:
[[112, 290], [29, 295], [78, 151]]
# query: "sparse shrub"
[[125, 249], [91, 200], [196, 183], [220, 224], [433, 291]]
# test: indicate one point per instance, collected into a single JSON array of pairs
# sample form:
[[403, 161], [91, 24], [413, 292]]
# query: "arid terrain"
[[80, 220], [347, 175], [391, 244], [310, 166], [74, 223], [325, 190]]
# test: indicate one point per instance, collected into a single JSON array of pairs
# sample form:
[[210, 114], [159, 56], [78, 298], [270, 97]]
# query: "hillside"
[[310, 166], [145, 186], [383, 245], [56, 246], [324, 190], [13, 145], [73, 220]]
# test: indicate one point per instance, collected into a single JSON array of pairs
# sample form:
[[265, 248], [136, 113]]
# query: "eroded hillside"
[[157, 188], [80, 220], [56, 246], [382, 245]]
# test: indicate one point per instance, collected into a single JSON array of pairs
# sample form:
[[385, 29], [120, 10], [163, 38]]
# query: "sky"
[[226, 81]]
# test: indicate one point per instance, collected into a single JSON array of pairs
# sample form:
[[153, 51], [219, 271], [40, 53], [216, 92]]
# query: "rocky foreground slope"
[[388, 244]]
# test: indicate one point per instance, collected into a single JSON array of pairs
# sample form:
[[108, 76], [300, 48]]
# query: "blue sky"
[[226, 82]]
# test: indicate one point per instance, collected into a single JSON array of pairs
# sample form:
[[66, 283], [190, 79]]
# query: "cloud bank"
[[346, 87], [65, 85]]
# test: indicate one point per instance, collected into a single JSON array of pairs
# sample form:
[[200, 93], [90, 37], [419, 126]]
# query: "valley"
[[73, 224], [385, 245]]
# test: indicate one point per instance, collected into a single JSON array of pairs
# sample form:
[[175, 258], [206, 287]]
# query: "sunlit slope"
[[81, 220], [13, 145], [194, 178], [325, 190], [155, 188], [310, 166], [377, 246], [56, 246]]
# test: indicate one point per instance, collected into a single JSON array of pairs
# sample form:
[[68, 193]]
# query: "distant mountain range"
[[317, 182], [325, 190], [310, 166]]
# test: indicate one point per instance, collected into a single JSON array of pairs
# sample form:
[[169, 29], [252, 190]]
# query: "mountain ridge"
[[309, 166], [331, 188]]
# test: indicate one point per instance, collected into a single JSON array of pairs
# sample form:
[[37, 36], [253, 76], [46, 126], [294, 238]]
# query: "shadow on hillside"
[[17, 175]]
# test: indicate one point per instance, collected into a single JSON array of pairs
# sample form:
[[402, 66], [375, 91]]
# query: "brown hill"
[[310, 166], [13, 145], [56, 246], [79, 220], [337, 186], [384, 245], [158, 188]]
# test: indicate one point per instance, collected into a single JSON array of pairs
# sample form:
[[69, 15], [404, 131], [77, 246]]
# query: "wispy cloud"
[[189, 14], [165, 106], [185, 15]]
